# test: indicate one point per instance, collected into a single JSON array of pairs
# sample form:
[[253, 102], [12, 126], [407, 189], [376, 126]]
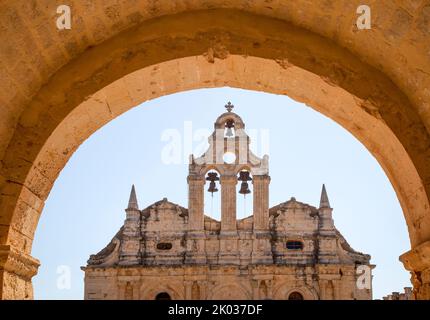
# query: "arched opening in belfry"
[[245, 195], [212, 194], [229, 131]]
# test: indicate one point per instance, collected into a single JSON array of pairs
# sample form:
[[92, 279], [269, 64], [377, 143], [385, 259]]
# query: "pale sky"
[[306, 149]]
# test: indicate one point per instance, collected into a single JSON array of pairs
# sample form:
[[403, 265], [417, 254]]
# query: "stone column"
[[16, 271], [270, 284], [255, 285], [261, 202], [196, 235], [261, 252], [417, 262], [202, 285], [228, 253], [196, 203], [337, 293], [228, 203], [188, 289], [121, 290], [130, 248], [323, 289], [136, 291]]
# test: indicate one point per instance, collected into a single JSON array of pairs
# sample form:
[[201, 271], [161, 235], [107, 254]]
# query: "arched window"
[[294, 245], [163, 296], [295, 296]]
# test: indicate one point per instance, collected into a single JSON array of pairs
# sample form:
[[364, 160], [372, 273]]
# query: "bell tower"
[[227, 162]]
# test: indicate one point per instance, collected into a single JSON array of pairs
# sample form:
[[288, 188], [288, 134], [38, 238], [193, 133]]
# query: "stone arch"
[[222, 119], [203, 172], [151, 290], [295, 295], [245, 167], [383, 103], [283, 291], [232, 291]]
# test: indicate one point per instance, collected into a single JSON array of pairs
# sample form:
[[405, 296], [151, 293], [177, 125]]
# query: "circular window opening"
[[163, 296], [295, 296], [229, 157]]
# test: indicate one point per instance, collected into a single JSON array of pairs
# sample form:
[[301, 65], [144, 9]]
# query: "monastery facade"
[[289, 251]]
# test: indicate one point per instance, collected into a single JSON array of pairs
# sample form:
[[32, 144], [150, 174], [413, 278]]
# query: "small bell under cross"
[[229, 126]]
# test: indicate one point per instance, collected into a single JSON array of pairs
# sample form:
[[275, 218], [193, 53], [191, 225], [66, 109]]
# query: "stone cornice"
[[417, 259], [15, 262]]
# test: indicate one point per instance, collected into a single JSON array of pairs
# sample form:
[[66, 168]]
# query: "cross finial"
[[229, 106]]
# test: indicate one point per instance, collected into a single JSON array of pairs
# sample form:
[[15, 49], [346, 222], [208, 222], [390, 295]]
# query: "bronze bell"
[[244, 187], [212, 177], [212, 187], [229, 125]]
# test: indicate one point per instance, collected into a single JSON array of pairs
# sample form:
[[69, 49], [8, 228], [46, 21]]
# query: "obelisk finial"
[[229, 106], [132, 202], [324, 203]]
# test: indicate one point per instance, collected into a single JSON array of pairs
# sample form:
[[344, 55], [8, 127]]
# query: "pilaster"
[[261, 202], [196, 202], [228, 203]]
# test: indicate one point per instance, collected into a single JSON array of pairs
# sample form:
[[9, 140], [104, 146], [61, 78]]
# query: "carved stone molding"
[[417, 261], [16, 262]]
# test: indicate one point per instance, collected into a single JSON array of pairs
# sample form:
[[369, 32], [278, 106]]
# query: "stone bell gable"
[[289, 251]]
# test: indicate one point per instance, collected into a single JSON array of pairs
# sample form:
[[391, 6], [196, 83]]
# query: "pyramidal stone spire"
[[324, 203], [132, 202]]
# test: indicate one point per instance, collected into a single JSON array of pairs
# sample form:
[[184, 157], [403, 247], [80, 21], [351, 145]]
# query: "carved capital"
[[16, 262], [261, 178], [417, 261], [196, 179], [255, 283]]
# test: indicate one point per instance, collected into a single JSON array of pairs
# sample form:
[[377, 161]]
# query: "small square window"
[[294, 245], [164, 246]]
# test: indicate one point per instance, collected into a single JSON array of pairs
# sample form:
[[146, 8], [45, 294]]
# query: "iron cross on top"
[[229, 106]]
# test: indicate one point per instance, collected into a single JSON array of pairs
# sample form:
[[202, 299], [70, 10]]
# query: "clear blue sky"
[[86, 206]]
